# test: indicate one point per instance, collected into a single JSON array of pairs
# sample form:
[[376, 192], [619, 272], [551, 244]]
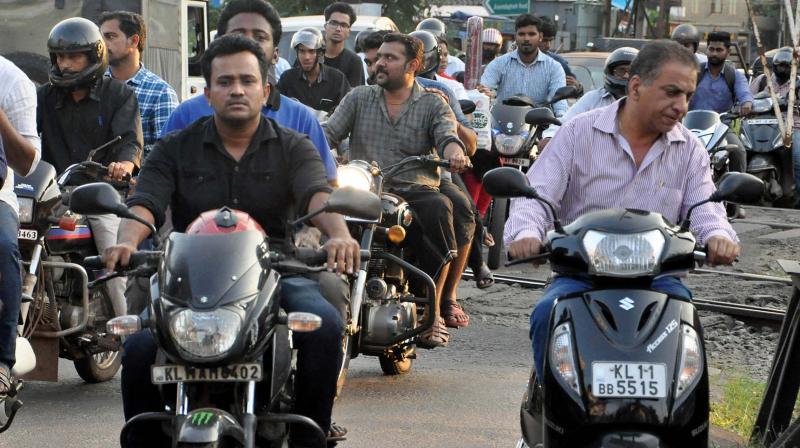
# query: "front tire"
[[393, 365], [99, 367], [497, 224]]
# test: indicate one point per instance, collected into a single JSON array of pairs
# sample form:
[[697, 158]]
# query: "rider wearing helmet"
[[314, 84], [781, 82], [80, 110], [439, 31], [688, 36], [492, 41], [616, 70]]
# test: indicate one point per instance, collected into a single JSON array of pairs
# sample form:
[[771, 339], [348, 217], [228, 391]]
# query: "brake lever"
[[527, 259]]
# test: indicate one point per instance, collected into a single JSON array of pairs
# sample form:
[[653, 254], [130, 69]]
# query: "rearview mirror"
[[541, 116], [563, 93], [507, 182], [353, 202], [741, 188], [97, 199]]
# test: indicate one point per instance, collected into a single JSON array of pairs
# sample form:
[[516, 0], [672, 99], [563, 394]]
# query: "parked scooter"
[[767, 157], [515, 145], [625, 365], [388, 288], [223, 340]]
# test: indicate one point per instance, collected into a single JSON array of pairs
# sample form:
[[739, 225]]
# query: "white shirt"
[[589, 101], [18, 101], [457, 88], [454, 65], [701, 58]]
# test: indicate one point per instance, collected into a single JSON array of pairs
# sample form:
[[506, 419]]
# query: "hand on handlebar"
[[120, 171], [525, 248], [455, 155], [118, 255], [345, 253], [721, 250]]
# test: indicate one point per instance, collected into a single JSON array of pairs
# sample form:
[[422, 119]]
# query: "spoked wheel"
[[496, 225], [397, 364], [343, 369], [98, 367]]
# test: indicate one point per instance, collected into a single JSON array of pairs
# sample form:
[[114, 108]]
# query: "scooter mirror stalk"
[[740, 188], [348, 201]]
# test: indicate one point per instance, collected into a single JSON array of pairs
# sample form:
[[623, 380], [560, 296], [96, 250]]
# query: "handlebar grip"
[[319, 257], [137, 259], [95, 262]]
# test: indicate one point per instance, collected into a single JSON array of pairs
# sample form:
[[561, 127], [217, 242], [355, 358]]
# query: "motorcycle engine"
[[384, 321]]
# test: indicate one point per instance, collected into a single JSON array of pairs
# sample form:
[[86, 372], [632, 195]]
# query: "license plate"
[[763, 121], [177, 374], [516, 161], [25, 234], [629, 379]]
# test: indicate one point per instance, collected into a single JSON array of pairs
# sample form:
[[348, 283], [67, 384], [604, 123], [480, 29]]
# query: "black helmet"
[[310, 37], [781, 63], [686, 34], [77, 35], [621, 56], [430, 53], [433, 26]]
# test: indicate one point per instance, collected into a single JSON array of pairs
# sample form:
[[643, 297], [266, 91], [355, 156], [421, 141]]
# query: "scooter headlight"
[[205, 334], [354, 176], [623, 255], [562, 357], [25, 210], [508, 145], [691, 361]]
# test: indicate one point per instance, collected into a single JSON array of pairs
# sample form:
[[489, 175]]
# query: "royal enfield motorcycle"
[[224, 343], [388, 289], [625, 365]]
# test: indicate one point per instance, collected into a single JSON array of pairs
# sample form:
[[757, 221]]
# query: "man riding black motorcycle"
[[781, 74], [240, 159], [395, 119], [688, 35], [80, 110]]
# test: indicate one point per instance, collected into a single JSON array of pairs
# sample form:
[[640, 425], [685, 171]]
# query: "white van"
[[290, 25]]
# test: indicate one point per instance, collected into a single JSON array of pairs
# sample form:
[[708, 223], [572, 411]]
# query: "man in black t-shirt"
[[339, 17], [316, 85]]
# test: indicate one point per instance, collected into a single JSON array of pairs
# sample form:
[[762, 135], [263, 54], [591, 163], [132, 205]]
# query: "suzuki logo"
[[626, 303]]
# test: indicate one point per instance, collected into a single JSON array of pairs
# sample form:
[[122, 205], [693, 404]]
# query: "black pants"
[[737, 159]]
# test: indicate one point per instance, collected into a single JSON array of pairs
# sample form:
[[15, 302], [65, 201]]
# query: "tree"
[[404, 13]]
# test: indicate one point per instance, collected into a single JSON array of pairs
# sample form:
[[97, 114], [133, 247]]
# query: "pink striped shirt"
[[589, 166]]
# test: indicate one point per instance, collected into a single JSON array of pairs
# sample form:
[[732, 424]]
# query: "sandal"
[[337, 433], [454, 316], [5, 380], [436, 336], [484, 277]]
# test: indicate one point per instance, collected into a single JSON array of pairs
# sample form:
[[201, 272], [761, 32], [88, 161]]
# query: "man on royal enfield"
[[615, 85], [781, 74], [397, 118], [634, 153], [240, 159], [20, 153], [80, 110]]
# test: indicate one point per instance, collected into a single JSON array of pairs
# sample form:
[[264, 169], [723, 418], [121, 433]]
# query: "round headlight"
[[624, 255], [354, 176], [205, 334]]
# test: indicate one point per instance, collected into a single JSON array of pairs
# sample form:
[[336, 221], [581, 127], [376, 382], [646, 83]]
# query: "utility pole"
[[607, 26], [662, 25]]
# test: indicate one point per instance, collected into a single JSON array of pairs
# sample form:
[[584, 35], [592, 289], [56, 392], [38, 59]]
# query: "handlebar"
[[138, 259], [96, 172], [317, 257]]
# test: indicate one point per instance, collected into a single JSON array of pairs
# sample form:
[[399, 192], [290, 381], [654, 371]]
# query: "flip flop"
[[484, 277], [5, 380], [337, 433], [454, 316], [436, 336]]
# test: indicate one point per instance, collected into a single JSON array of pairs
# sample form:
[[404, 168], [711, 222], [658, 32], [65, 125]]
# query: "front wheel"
[[395, 365], [496, 226], [99, 367]]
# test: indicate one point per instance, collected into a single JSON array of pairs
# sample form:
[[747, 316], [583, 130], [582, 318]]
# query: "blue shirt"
[[156, 100], [289, 113], [538, 80], [452, 100], [564, 64], [714, 94]]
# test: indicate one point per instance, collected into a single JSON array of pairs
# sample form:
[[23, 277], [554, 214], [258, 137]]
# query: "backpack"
[[730, 77]]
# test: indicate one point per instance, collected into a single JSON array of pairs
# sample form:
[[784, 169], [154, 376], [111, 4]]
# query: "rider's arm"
[[341, 121], [18, 133], [127, 123], [443, 125], [493, 74], [309, 125], [469, 138], [743, 94], [557, 80], [157, 179]]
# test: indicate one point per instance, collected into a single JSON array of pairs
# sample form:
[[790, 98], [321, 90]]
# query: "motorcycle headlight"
[[623, 255], [762, 105], [562, 357], [354, 176], [25, 210], [691, 361], [205, 334], [508, 145]]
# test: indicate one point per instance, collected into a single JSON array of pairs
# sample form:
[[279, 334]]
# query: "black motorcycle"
[[388, 288], [515, 145], [224, 342], [625, 365]]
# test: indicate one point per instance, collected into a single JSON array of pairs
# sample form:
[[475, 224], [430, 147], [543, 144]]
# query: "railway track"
[[751, 315]]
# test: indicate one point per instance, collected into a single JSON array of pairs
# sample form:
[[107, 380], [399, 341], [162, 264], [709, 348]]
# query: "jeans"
[[318, 360], [10, 283], [796, 161], [562, 286]]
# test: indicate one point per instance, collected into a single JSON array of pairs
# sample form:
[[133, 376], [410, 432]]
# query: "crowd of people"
[[253, 142]]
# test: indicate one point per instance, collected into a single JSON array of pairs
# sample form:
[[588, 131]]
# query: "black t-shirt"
[[191, 172], [70, 130], [323, 94], [350, 64]]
